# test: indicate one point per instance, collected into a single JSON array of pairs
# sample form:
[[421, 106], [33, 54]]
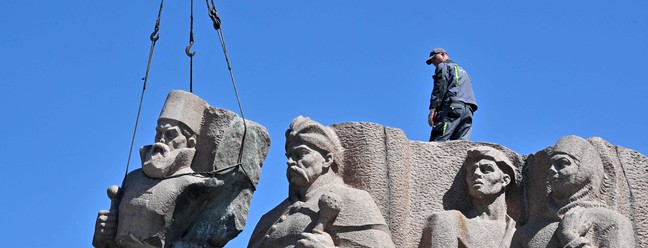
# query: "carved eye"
[[171, 134], [560, 163], [486, 168]]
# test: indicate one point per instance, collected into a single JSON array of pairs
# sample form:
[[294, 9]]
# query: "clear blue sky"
[[70, 77]]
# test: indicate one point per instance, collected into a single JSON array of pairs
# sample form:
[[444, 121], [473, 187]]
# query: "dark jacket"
[[451, 84]]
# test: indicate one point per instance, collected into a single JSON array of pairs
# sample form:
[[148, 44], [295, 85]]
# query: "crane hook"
[[188, 50]]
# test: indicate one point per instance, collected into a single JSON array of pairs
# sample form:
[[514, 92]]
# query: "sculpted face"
[[171, 151], [485, 179], [563, 175], [305, 164]]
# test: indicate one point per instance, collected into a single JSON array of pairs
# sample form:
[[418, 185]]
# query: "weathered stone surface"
[[581, 199], [411, 180], [191, 192], [485, 224], [321, 210]]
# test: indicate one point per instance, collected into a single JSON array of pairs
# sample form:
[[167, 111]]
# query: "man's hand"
[[431, 117], [317, 239]]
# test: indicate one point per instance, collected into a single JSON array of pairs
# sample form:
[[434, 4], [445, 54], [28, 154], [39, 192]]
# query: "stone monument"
[[190, 191], [486, 224], [413, 181], [366, 185], [321, 210], [578, 213]]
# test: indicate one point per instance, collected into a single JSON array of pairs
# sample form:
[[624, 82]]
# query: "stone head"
[[176, 136], [312, 150], [488, 172], [575, 164]]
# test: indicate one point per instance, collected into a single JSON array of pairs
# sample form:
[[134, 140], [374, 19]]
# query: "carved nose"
[[552, 170]]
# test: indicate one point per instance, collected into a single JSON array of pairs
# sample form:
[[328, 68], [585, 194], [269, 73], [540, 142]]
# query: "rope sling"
[[154, 37]]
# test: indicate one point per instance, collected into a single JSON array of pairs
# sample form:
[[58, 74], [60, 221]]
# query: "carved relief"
[[581, 216], [183, 190], [486, 224], [321, 210], [413, 180]]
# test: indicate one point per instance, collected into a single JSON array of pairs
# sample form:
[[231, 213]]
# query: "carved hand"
[[573, 227], [106, 224], [317, 239], [329, 205]]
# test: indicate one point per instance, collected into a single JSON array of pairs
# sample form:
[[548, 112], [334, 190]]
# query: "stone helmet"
[[500, 158]]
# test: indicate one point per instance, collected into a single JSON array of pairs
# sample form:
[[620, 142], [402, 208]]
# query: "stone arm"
[[330, 205], [360, 222], [595, 227], [616, 230], [106, 223], [371, 237]]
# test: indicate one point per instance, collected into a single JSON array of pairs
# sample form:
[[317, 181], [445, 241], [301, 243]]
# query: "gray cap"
[[435, 51]]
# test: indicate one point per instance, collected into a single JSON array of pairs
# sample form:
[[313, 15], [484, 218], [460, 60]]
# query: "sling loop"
[[213, 14], [154, 38]]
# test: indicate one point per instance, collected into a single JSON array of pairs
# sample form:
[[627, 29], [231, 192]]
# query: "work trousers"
[[454, 122]]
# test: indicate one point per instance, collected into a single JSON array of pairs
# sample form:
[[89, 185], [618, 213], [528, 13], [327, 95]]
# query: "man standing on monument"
[[452, 103], [321, 210]]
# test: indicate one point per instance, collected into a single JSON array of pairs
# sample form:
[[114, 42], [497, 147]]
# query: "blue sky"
[[70, 74]]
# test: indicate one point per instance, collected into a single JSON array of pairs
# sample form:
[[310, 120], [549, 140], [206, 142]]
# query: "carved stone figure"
[[321, 210], [181, 195], [486, 224], [581, 218]]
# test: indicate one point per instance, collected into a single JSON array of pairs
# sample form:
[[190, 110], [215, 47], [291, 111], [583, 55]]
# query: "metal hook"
[[188, 50], [155, 36]]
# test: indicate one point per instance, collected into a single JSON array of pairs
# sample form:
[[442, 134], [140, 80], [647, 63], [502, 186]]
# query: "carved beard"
[[160, 161]]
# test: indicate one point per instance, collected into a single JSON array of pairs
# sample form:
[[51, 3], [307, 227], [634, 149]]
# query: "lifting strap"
[[154, 38], [213, 14]]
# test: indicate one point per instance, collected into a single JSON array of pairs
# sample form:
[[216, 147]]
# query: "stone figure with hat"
[[452, 102], [320, 210], [172, 201], [489, 172]]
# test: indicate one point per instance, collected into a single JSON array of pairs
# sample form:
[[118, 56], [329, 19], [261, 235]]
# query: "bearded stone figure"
[[320, 210], [582, 218], [170, 202]]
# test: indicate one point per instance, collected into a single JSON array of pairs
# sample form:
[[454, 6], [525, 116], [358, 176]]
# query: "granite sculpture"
[[321, 210], [581, 217], [486, 224], [190, 191], [412, 180]]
